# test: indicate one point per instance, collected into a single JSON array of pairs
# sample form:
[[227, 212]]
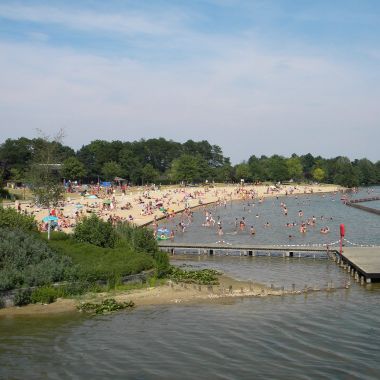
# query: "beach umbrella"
[[107, 202], [78, 205], [163, 231], [50, 218], [91, 196]]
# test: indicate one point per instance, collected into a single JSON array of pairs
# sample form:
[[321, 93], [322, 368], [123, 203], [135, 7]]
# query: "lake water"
[[322, 335]]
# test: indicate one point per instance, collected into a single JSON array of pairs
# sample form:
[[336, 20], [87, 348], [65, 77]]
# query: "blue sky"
[[255, 77]]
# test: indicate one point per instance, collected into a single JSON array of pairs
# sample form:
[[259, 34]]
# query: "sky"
[[255, 77]]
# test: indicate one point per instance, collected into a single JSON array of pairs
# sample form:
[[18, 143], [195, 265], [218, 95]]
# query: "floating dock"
[[362, 262]]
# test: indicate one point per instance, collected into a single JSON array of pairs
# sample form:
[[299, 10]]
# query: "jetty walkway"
[[354, 203], [362, 262]]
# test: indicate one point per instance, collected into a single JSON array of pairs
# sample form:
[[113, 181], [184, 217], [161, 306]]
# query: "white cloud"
[[243, 97], [129, 23]]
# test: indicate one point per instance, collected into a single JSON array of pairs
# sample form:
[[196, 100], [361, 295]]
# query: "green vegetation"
[[26, 260], [201, 277], [22, 297], [107, 306], [43, 174], [48, 293], [82, 261], [45, 294], [97, 263], [95, 231], [148, 161], [10, 218]]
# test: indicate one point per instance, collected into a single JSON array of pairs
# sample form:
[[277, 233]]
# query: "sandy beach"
[[142, 205]]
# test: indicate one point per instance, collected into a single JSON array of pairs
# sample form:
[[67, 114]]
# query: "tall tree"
[[111, 169], [73, 169], [149, 174], [295, 170]]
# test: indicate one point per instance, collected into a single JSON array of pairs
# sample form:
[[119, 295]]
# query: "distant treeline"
[[166, 161]]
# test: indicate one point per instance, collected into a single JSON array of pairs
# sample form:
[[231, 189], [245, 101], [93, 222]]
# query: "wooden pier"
[[363, 263], [244, 250]]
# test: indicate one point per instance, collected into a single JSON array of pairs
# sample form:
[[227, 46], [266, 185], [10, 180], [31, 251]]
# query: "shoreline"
[[168, 294], [228, 290]]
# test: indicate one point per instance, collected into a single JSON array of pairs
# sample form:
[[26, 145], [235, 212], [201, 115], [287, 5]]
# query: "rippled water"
[[322, 335]]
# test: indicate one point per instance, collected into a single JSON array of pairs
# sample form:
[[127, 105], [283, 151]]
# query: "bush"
[[140, 239], [95, 231], [10, 218], [45, 294], [4, 193], [162, 263], [2, 303], [27, 260], [78, 288], [22, 297]]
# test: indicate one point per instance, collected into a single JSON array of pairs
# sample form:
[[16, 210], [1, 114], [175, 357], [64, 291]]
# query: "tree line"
[[165, 161]]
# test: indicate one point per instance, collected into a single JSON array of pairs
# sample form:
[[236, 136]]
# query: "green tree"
[[111, 169], [223, 173], [44, 175], [190, 168], [73, 169], [242, 171], [366, 171], [131, 165], [149, 174], [294, 167], [277, 168], [319, 174], [345, 174]]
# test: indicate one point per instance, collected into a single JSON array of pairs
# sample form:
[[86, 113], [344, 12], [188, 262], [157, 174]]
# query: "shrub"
[[27, 260], [95, 231], [45, 294], [4, 193], [162, 263], [22, 297], [138, 238], [78, 288], [10, 218]]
